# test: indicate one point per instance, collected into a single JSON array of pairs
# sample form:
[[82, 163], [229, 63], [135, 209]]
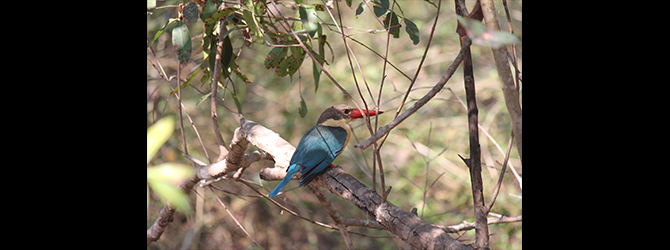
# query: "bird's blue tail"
[[292, 171]]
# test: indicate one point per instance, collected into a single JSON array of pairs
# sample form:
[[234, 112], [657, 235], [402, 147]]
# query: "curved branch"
[[404, 225]]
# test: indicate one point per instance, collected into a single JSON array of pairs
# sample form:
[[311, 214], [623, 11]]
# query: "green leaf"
[[282, 69], [190, 12], [203, 98], [431, 3], [181, 40], [320, 7], [303, 108], [249, 19], [309, 19], [349, 2], [160, 31], [238, 72], [412, 31], [395, 27], [482, 35], [158, 134], [210, 21], [205, 77], [219, 15], [237, 102], [361, 8], [298, 56], [316, 71], [248, 15], [164, 180], [226, 54], [381, 7], [241, 75], [209, 9], [169, 172], [275, 56]]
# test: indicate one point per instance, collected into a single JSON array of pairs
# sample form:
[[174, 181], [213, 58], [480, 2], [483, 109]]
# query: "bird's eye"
[[347, 111]]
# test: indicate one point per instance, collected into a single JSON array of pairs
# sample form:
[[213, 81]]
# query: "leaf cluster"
[[256, 23]]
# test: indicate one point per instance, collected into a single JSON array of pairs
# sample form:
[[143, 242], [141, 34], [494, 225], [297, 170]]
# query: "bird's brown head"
[[344, 114]]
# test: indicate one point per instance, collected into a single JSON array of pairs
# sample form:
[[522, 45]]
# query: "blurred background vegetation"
[[410, 155]]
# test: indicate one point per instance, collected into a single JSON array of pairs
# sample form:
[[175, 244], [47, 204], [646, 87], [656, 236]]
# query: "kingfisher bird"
[[322, 143]]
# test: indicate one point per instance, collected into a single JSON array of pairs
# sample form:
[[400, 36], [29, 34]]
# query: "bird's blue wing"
[[290, 172], [317, 149]]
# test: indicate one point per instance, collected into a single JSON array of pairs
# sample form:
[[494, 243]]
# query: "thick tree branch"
[[404, 225], [510, 92], [164, 218]]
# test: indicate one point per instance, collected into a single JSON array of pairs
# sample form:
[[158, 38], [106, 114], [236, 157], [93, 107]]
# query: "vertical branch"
[[474, 163], [511, 31], [510, 91], [223, 151], [181, 119], [377, 148]]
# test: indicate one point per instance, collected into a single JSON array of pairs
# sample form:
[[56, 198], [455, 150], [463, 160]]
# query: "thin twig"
[[198, 135], [332, 211], [345, 221], [285, 208], [465, 226], [376, 53], [511, 31], [436, 89], [235, 219], [194, 160], [181, 119], [502, 173]]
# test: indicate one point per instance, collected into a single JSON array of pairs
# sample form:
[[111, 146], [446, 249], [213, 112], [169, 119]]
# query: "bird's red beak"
[[357, 113]]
